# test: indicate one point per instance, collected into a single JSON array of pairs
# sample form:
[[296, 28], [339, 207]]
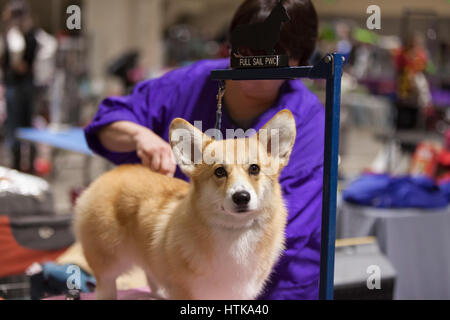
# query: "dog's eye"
[[220, 172], [254, 169]]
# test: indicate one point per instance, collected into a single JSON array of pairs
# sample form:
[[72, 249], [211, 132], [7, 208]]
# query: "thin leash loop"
[[219, 97]]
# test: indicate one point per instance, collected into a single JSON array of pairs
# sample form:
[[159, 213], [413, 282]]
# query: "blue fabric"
[[55, 279], [445, 189], [384, 191], [59, 274]]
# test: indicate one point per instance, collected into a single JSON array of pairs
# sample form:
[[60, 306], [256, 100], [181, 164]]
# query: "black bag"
[[51, 232]]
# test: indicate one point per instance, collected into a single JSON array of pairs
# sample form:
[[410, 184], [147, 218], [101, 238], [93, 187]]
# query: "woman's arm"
[[126, 136], [119, 136]]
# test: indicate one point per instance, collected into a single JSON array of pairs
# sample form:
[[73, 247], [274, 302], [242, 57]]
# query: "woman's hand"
[[154, 152]]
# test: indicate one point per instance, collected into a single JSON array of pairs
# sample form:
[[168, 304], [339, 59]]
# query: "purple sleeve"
[[296, 275], [133, 107]]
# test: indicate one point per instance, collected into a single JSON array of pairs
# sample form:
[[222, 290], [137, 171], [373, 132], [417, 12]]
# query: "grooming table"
[[71, 139], [416, 242]]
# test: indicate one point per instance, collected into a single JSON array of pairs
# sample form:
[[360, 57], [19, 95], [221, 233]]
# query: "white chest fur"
[[234, 270]]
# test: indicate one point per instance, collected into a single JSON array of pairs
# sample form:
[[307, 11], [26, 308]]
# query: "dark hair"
[[298, 36]]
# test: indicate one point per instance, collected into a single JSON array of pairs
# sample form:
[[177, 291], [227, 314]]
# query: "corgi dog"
[[217, 237]]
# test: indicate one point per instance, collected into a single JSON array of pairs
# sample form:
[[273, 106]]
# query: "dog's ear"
[[187, 144], [278, 136]]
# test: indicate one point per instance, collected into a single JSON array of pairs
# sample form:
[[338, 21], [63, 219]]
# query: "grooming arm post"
[[330, 69], [330, 176]]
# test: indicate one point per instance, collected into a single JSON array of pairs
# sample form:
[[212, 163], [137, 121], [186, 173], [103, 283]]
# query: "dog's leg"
[[156, 291], [106, 279], [106, 287], [180, 293]]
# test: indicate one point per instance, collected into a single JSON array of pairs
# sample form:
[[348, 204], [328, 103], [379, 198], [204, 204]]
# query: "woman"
[[135, 129]]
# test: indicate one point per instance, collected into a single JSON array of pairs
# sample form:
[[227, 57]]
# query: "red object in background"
[[425, 160], [444, 158], [14, 258], [42, 167], [412, 59]]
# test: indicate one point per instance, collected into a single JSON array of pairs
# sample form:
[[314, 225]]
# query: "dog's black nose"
[[241, 198]]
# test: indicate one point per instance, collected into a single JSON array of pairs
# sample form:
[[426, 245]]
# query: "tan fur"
[[177, 232]]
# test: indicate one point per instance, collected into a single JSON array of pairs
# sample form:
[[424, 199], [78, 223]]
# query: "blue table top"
[[71, 139]]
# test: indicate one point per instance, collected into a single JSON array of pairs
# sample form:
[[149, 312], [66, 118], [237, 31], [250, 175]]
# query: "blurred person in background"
[[344, 44], [19, 47], [135, 128], [413, 90]]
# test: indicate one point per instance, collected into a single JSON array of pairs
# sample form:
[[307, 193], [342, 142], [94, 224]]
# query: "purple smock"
[[189, 93]]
